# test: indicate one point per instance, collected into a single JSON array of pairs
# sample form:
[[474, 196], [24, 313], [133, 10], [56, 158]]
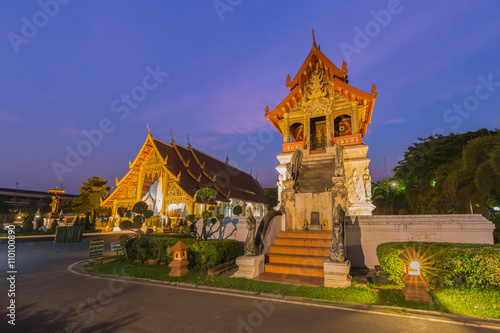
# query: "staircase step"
[[306, 234], [291, 259], [310, 242], [300, 250], [295, 269]]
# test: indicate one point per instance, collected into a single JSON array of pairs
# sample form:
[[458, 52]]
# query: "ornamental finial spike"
[[147, 125], [189, 143], [344, 67], [227, 158], [314, 38], [172, 137], [267, 110]]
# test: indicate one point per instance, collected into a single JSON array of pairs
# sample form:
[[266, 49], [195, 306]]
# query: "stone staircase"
[[299, 253], [315, 173]]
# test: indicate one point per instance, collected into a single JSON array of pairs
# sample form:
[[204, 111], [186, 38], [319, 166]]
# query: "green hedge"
[[202, 255], [449, 264]]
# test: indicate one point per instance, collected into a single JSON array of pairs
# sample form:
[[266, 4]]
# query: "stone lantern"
[[179, 264]]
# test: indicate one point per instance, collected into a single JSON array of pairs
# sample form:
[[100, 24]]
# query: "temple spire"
[[172, 137], [314, 39]]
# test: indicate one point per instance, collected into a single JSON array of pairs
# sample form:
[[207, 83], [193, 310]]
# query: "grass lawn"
[[483, 303]]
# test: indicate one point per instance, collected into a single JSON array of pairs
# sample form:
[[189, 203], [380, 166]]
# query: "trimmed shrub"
[[125, 225], [140, 207], [202, 255], [476, 265], [190, 217], [237, 210], [149, 213], [77, 221], [28, 224], [53, 227], [206, 214], [137, 222]]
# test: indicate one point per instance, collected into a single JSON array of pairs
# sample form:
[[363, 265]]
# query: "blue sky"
[[65, 69]]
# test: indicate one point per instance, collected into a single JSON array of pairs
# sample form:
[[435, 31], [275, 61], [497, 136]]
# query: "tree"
[[476, 178], [89, 200], [207, 194], [271, 200], [389, 197], [426, 173]]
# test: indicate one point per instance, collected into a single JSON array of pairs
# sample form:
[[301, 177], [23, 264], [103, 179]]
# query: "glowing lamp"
[[415, 284], [496, 208], [179, 265], [414, 268]]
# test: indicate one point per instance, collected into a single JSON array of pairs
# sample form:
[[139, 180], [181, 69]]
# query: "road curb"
[[380, 309]]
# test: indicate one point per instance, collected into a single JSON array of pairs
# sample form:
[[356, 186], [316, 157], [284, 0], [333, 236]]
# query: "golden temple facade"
[[167, 176]]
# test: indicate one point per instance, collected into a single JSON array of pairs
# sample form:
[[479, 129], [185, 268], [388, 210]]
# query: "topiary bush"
[[237, 210], [140, 207], [475, 265], [202, 255], [190, 217], [149, 213], [137, 222], [53, 227], [125, 225], [28, 224]]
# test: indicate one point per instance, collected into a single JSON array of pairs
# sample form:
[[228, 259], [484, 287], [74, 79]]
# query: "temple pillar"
[[307, 133], [164, 192], [140, 183], [328, 131], [286, 132], [355, 121]]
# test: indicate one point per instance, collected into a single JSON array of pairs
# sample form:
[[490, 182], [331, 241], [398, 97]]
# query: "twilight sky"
[[84, 77]]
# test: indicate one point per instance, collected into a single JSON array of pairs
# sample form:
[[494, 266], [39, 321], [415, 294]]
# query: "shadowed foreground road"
[[50, 298]]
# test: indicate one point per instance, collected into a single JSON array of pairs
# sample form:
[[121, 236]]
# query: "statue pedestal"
[[337, 274], [249, 266]]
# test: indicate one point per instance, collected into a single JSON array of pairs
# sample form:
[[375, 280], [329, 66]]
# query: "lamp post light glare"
[[414, 268], [496, 208], [415, 284]]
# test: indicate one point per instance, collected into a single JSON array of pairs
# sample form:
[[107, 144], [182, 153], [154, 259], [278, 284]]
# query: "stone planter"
[[153, 261]]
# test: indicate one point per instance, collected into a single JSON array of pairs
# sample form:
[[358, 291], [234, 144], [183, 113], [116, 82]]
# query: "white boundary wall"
[[365, 233]]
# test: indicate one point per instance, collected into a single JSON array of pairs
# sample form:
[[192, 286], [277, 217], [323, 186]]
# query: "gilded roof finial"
[[172, 136], [314, 39], [374, 90], [344, 66], [227, 158], [147, 125], [189, 143], [267, 110]]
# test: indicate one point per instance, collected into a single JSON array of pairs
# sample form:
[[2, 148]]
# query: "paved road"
[[50, 298]]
